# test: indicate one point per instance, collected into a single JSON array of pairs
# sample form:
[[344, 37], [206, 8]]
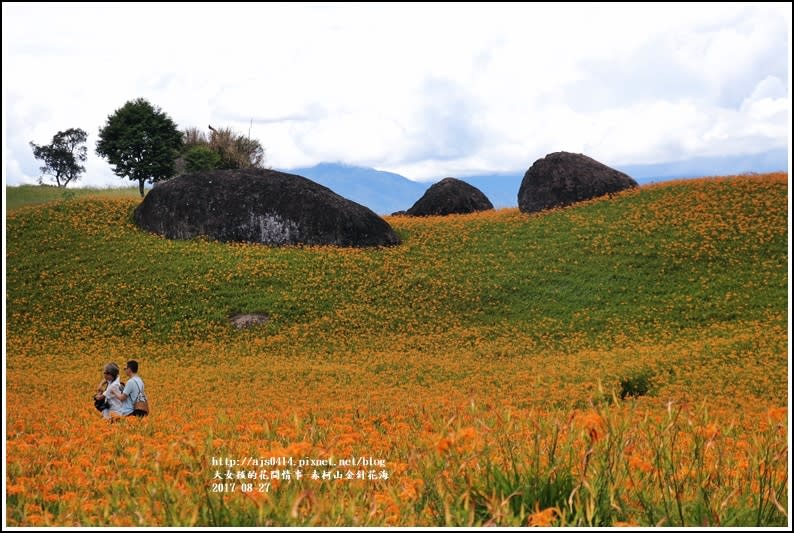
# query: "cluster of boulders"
[[276, 208], [557, 180]]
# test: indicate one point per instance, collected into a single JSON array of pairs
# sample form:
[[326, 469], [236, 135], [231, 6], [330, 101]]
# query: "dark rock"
[[563, 178], [450, 196], [398, 214], [262, 206]]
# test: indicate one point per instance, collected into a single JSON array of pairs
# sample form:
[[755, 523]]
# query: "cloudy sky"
[[423, 91]]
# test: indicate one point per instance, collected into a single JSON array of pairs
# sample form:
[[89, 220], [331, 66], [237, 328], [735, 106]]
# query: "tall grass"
[[609, 465]]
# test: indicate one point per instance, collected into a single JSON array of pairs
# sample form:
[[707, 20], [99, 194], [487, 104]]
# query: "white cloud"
[[427, 91]]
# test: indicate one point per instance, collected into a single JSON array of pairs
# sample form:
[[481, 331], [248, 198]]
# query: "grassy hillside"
[[484, 357], [22, 195]]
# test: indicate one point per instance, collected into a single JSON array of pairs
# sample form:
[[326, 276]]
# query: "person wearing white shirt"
[[116, 405]]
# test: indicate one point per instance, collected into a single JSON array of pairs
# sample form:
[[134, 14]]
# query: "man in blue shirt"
[[133, 390]]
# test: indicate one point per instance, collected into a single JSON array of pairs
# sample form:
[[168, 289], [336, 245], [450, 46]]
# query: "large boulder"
[[563, 178], [261, 206], [450, 196]]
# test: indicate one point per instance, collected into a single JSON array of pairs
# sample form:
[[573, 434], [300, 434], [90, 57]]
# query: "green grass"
[[22, 195], [580, 276]]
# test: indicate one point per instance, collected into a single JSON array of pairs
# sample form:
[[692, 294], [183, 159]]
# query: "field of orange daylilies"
[[620, 362]]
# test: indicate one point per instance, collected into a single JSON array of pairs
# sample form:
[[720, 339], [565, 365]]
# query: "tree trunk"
[[140, 187]]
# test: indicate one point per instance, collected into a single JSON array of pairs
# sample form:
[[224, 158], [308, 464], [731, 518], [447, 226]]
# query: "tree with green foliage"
[[141, 141], [62, 157]]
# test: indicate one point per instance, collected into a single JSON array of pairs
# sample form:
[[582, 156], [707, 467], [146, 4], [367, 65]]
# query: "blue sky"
[[424, 91]]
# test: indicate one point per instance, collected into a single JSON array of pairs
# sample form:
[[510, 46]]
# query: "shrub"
[[201, 158], [636, 384]]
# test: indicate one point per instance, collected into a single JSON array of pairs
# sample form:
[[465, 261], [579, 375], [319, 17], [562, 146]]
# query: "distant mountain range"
[[383, 192], [770, 161], [387, 192]]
